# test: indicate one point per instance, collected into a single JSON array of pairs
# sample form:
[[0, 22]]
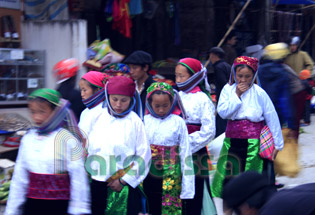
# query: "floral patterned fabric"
[[116, 69], [166, 161]]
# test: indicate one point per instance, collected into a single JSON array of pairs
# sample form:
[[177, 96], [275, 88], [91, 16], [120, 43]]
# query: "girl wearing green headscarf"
[[49, 175], [171, 178]]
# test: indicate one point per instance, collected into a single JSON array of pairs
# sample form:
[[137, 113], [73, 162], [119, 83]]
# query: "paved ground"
[[306, 158]]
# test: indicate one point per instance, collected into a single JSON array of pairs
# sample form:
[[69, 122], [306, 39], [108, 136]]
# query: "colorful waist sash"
[[193, 128], [243, 129], [49, 186]]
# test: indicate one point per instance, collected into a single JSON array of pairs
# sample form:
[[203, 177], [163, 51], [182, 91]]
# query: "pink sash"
[[49, 186], [243, 129]]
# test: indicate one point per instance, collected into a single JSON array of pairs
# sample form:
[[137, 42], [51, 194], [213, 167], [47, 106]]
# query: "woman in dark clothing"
[[65, 71]]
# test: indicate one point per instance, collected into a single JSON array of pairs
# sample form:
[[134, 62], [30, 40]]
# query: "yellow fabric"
[[276, 51], [299, 61], [286, 162]]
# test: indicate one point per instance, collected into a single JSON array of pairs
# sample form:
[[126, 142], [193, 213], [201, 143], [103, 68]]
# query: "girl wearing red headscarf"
[[118, 153], [194, 90], [248, 108]]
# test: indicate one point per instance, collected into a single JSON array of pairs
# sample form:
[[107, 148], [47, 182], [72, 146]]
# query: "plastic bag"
[[286, 162]]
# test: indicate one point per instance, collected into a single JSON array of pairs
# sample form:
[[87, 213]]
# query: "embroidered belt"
[[49, 186], [243, 129]]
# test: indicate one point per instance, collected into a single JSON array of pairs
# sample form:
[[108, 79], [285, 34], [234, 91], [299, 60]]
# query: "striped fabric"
[[95, 99], [266, 143], [46, 10], [61, 117], [193, 81]]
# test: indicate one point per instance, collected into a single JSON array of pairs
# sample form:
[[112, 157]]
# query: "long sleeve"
[[201, 110], [141, 158], [272, 120], [229, 103], [19, 184], [84, 123], [285, 105], [188, 178], [308, 62], [88, 118], [80, 193]]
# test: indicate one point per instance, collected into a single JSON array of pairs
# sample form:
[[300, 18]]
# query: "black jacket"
[[275, 81], [222, 72], [298, 200], [73, 95], [143, 94]]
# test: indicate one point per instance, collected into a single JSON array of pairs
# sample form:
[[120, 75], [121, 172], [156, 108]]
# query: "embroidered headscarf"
[[116, 69], [62, 116], [121, 85], [177, 106], [198, 76], [98, 80], [244, 60]]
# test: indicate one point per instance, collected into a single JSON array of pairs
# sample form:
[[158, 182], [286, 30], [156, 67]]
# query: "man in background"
[[298, 60], [222, 72], [229, 49]]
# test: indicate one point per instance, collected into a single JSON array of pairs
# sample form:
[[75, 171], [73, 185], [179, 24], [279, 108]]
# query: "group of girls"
[[120, 162]]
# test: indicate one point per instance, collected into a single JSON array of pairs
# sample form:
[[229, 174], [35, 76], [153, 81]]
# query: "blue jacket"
[[275, 81]]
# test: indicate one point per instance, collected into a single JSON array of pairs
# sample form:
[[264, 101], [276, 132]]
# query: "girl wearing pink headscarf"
[[93, 95]]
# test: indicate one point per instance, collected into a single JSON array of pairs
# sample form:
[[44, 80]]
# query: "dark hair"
[[231, 35], [70, 81], [242, 66], [143, 65], [42, 100], [159, 92], [188, 70], [218, 52]]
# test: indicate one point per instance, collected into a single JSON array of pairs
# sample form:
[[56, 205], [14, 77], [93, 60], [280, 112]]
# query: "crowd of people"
[[140, 146]]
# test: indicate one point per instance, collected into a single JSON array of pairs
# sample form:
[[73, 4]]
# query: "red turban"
[[121, 85], [249, 61], [191, 64]]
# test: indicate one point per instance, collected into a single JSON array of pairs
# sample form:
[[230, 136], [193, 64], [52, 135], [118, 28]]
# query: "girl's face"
[[40, 111], [181, 74], [86, 89], [119, 103], [244, 75], [161, 104]]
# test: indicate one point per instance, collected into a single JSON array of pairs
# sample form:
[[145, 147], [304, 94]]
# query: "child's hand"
[[115, 185], [241, 88]]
